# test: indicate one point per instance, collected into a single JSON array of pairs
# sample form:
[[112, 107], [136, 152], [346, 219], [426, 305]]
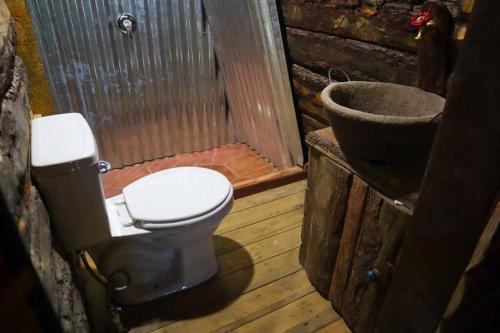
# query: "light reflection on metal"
[[153, 95], [249, 46]]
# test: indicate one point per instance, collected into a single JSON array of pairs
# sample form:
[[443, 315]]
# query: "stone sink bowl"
[[382, 122]]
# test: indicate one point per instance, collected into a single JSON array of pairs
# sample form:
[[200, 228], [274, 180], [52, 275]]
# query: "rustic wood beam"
[[362, 61], [460, 187], [307, 87], [386, 25]]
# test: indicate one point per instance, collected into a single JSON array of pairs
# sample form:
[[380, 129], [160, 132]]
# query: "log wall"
[[35, 279], [370, 40]]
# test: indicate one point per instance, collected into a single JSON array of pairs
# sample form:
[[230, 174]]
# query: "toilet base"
[[142, 264], [143, 268]]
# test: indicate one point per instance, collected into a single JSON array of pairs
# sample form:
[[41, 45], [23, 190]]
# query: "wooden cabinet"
[[351, 234]]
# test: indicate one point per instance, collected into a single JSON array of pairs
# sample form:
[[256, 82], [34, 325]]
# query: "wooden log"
[[394, 222], [385, 25], [383, 226], [352, 224], [434, 49], [460, 187], [367, 247], [310, 124], [475, 302], [362, 61], [324, 211], [307, 87]]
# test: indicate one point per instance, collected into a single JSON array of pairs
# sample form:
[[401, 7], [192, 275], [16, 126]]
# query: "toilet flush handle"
[[104, 166]]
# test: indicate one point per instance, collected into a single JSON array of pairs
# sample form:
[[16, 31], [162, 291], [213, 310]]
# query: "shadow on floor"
[[209, 297]]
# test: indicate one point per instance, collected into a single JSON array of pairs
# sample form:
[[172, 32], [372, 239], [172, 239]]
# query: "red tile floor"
[[248, 171]]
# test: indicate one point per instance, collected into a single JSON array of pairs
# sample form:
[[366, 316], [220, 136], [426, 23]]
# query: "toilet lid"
[[176, 194]]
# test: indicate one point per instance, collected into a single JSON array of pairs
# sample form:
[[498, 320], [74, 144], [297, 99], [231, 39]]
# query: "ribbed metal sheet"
[[154, 95], [249, 46]]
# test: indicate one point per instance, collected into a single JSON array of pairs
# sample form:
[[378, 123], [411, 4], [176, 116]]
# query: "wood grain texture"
[[324, 212], [352, 225], [368, 245], [460, 187], [362, 61], [308, 86], [393, 224], [386, 24]]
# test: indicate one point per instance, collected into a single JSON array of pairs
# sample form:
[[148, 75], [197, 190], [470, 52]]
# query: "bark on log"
[[393, 222], [372, 232], [355, 207], [310, 124], [59, 301], [385, 25], [367, 247], [362, 61], [324, 211], [307, 87]]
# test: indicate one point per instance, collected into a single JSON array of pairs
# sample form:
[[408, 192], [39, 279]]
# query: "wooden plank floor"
[[260, 287]]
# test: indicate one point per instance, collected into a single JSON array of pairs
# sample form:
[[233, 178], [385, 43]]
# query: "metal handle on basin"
[[104, 166]]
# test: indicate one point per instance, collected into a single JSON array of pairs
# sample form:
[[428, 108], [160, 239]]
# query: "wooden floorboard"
[[260, 198], [260, 287], [261, 212]]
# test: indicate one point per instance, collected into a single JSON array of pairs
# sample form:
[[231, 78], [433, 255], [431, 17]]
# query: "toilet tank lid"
[[61, 143], [176, 194]]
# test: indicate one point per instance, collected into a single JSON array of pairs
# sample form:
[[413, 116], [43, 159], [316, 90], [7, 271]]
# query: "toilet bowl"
[[153, 239]]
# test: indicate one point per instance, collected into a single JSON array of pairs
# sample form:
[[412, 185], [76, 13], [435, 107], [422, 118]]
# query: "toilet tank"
[[64, 161]]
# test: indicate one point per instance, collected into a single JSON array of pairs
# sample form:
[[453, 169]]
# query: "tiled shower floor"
[[238, 162]]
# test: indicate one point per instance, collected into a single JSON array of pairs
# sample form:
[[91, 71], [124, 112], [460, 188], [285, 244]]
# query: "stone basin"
[[382, 122]]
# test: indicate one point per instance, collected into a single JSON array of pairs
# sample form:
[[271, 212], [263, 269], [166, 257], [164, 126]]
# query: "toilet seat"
[[175, 195]]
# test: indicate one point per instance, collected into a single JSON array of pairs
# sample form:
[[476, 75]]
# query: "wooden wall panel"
[[362, 61], [324, 212]]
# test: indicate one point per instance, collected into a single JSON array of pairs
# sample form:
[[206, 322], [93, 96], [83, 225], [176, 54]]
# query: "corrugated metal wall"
[[150, 96], [249, 46]]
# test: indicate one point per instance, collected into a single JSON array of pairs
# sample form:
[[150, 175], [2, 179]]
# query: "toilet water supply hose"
[[91, 267], [89, 263]]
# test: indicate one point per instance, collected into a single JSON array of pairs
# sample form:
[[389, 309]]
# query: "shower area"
[[166, 83]]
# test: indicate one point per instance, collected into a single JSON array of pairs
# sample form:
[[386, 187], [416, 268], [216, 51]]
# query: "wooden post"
[[460, 187]]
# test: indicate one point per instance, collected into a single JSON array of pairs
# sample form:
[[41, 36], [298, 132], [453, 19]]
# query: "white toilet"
[[153, 239]]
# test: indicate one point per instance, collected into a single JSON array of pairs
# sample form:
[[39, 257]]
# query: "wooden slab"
[[362, 61], [249, 306], [241, 237], [324, 212], [267, 210], [270, 195], [259, 251], [384, 25], [294, 317], [352, 225]]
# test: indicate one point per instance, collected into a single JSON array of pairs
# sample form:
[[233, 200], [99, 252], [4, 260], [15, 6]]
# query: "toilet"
[[153, 239]]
